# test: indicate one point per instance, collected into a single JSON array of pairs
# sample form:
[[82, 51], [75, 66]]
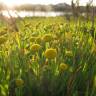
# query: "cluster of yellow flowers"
[[39, 39], [50, 53]]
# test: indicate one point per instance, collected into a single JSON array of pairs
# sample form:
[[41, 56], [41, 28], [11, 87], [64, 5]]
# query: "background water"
[[31, 13]]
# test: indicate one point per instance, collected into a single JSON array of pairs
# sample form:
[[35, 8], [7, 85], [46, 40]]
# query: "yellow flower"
[[36, 47], [32, 39], [50, 53], [19, 82], [63, 67], [47, 37], [2, 40]]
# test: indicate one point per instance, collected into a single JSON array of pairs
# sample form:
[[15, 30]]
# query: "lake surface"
[[31, 14]]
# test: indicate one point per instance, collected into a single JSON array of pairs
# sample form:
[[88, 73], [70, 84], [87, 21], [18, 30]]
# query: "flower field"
[[47, 57]]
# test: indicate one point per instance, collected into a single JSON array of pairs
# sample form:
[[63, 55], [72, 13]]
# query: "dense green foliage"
[[48, 57]]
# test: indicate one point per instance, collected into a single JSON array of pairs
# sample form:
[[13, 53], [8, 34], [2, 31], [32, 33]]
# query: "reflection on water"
[[31, 13]]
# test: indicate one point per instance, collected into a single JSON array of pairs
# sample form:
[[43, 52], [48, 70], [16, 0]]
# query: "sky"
[[18, 2]]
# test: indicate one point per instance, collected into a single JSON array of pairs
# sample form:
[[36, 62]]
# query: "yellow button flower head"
[[63, 67], [47, 37], [19, 82], [50, 53], [2, 40], [36, 47]]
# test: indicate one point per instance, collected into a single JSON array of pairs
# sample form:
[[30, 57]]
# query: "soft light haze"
[[18, 2]]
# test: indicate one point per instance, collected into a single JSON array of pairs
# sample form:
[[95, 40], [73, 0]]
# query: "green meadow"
[[47, 56]]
